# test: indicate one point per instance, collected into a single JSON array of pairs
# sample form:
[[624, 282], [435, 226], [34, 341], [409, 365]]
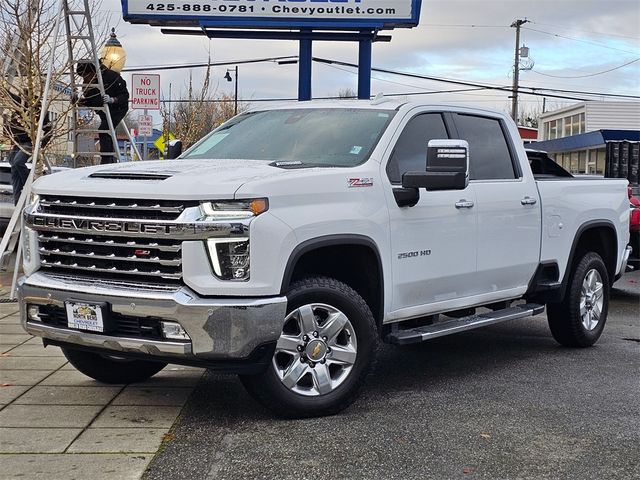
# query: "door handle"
[[464, 204], [528, 201]]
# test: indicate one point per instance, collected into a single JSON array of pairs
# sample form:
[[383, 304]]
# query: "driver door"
[[434, 242]]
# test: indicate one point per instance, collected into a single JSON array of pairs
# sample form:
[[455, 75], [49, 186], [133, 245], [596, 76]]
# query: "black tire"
[[268, 389], [107, 369], [565, 318]]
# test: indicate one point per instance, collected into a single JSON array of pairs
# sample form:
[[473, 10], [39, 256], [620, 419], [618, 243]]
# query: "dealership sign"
[[346, 14]]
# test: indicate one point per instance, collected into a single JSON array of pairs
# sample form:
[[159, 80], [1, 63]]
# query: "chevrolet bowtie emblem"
[[316, 351]]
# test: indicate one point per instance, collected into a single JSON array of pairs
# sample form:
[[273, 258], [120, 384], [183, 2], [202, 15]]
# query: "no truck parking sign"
[[145, 91]]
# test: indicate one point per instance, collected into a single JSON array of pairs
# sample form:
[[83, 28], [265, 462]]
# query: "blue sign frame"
[[241, 22]]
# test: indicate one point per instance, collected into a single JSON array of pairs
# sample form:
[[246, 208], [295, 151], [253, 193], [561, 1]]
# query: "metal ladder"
[[81, 46]]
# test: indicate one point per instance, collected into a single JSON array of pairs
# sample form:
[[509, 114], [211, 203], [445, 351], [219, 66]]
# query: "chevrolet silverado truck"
[[292, 240]]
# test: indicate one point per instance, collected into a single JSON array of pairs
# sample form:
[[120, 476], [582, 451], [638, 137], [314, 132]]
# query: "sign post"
[[145, 95]]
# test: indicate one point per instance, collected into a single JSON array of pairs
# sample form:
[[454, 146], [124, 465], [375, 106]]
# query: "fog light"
[[174, 331], [230, 257], [33, 313]]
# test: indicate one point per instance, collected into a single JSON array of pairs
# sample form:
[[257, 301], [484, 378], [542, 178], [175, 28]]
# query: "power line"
[[602, 45], [591, 74], [533, 90], [147, 68], [585, 31]]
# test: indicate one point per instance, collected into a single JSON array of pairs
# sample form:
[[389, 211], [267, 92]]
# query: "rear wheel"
[[111, 368], [324, 352], [579, 319]]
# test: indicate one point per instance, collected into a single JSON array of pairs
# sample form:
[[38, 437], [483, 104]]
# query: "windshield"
[[304, 137]]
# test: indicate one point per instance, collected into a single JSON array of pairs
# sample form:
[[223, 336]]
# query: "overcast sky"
[[457, 39]]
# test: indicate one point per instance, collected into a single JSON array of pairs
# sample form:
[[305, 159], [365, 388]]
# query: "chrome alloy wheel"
[[591, 299], [316, 350]]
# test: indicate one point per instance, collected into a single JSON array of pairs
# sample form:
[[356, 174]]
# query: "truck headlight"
[[30, 254], [229, 257], [234, 209]]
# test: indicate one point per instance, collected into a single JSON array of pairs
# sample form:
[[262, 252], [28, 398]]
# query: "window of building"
[[567, 127], [490, 158], [410, 153], [575, 125], [582, 162], [573, 166], [583, 123], [600, 161], [553, 133]]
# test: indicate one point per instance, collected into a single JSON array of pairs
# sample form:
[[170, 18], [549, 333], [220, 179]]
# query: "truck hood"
[[170, 179]]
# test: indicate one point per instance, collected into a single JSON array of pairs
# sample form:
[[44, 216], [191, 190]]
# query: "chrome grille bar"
[[113, 205], [112, 270], [110, 243], [113, 257]]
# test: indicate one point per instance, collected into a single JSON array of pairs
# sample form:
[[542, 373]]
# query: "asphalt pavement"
[[504, 402]]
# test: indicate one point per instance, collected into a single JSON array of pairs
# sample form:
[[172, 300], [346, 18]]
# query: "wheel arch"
[[595, 236], [341, 257]]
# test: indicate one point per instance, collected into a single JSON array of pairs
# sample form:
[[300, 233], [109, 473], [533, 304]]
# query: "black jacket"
[[114, 86], [17, 132]]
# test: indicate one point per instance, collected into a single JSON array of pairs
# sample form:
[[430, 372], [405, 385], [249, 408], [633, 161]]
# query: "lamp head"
[[113, 55]]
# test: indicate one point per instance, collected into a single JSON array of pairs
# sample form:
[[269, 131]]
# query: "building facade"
[[577, 137]]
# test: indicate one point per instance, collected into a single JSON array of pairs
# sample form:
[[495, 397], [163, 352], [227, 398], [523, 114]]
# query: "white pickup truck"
[[293, 239]]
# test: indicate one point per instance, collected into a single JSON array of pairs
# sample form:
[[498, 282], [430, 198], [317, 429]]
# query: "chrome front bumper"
[[220, 329]]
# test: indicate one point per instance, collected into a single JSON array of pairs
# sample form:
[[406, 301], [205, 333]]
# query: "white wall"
[[613, 116]]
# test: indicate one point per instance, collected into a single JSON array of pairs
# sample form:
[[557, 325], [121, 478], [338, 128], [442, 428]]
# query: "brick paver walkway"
[[55, 423]]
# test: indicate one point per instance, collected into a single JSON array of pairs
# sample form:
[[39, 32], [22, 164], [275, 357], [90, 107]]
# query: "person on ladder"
[[17, 129], [116, 98]]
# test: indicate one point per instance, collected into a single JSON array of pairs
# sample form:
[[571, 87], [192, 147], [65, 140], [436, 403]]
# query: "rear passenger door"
[[507, 205]]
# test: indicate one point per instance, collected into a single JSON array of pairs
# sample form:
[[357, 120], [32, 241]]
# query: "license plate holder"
[[90, 317]]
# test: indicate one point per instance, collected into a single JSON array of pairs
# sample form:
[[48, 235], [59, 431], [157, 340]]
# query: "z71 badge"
[[360, 182]]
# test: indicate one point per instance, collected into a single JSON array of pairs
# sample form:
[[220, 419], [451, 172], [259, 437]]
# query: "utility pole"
[[516, 69]]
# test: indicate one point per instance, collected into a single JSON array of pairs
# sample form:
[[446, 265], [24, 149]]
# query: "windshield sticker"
[[356, 150], [360, 182]]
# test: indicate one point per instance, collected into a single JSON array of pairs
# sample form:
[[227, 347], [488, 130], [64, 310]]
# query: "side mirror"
[[447, 167]]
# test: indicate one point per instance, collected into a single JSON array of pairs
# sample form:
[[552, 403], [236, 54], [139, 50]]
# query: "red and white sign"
[[145, 125], [145, 91]]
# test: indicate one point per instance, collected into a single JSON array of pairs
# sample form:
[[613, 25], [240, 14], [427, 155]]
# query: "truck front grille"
[[111, 256], [105, 256], [113, 207]]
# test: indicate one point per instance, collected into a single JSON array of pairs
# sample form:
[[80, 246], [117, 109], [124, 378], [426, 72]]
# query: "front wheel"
[[578, 320], [326, 349], [111, 369]]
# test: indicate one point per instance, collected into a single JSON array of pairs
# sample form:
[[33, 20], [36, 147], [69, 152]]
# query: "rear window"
[[489, 154]]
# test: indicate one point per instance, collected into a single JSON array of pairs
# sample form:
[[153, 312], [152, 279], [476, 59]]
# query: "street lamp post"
[[229, 79]]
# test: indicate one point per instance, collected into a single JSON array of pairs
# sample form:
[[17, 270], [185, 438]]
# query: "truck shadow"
[[418, 369]]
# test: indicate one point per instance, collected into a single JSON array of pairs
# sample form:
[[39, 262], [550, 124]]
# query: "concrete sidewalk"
[[55, 423]]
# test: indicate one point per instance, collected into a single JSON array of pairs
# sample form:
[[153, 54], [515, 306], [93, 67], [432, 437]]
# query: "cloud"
[[602, 35]]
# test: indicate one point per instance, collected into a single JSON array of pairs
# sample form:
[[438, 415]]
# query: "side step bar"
[[420, 334]]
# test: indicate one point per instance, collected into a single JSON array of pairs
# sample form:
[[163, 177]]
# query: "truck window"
[[489, 155], [410, 153]]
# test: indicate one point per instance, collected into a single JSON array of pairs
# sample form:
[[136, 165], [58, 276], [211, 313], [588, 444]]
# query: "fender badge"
[[360, 182]]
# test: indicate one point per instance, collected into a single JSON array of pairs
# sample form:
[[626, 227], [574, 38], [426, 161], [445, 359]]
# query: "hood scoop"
[[125, 175]]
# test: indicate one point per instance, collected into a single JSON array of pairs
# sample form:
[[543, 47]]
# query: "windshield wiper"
[[290, 165]]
